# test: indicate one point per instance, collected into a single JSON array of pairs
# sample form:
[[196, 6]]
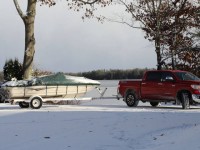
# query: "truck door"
[[150, 87], [168, 88]]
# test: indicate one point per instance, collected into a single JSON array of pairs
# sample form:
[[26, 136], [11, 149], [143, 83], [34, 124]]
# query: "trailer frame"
[[36, 101]]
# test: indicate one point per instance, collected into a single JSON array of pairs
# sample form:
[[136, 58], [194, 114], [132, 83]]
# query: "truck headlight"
[[196, 87]]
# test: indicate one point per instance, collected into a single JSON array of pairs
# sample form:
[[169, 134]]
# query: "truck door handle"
[[160, 84], [143, 83]]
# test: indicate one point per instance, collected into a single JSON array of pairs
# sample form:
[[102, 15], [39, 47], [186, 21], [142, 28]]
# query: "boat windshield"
[[186, 76]]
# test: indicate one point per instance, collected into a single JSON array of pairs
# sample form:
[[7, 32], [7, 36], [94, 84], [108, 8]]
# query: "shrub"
[[12, 69]]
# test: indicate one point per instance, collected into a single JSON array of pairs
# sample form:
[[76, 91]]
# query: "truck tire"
[[131, 100], [23, 104], [4, 94], [154, 104], [36, 103], [185, 100]]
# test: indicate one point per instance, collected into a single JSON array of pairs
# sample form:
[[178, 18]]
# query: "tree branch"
[[88, 2], [21, 14], [123, 22]]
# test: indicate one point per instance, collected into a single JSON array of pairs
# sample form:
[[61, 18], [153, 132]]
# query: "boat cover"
[[62, 79], [54, 79]]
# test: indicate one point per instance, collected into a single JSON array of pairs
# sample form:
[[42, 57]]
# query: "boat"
[[55, 86]]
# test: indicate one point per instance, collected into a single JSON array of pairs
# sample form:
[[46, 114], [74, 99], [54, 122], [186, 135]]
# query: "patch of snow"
[[15, 83]]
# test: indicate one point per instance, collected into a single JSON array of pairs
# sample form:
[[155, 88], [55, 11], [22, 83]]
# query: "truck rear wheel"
[[185, 100], [131, 100]]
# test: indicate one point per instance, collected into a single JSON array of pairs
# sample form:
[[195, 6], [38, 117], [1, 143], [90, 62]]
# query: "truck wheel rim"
[[130, 99]]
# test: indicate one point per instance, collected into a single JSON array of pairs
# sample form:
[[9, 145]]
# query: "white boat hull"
[[61, 91]]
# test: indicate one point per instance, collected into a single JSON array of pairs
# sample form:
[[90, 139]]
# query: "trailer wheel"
[[154, 104], [131, 100], [36, 103], [23, 104], [4, 94], [185, 100]]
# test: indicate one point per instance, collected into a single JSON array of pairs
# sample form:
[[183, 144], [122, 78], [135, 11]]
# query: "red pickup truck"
[[179, 87]]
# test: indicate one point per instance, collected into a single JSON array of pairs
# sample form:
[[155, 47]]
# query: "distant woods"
[[113, 74], [103, 74]]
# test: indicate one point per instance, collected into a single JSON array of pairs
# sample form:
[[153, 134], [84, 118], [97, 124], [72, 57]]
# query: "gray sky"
[[65, 43]]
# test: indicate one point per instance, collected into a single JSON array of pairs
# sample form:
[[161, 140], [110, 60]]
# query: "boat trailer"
[[36, 101]]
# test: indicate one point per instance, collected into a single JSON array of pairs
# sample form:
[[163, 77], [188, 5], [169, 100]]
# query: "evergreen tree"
[[12, 69]]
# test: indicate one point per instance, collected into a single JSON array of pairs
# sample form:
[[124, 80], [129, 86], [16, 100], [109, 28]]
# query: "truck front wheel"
[[131, 100]]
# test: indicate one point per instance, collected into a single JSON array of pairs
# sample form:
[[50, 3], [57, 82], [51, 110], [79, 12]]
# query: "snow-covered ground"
[[99, 125]]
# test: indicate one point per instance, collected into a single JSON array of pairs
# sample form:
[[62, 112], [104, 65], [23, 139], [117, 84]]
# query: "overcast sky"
[[65, 43]]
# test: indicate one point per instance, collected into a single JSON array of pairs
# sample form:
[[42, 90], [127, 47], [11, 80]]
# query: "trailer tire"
[[185, 100], [23, 104], [154, 104], [131, 100], [4, 94], [36, 103]]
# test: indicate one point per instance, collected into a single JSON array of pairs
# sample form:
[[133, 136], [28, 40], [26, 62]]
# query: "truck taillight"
[[196, 92]]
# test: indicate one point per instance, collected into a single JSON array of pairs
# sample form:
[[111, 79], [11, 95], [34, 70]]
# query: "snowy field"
[[99, 125]]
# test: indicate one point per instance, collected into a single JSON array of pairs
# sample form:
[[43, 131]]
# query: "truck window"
[[187, 76], [153, 76], [167, 76]]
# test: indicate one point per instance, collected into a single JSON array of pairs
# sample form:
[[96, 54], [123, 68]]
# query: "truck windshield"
[[187, 76]]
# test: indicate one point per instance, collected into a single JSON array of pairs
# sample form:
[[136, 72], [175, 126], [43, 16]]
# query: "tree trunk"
[[159, 63], [157, 46], [29, 20], [157, 36]]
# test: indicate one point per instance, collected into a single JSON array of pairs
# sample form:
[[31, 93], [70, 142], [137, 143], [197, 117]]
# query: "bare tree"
[[28, 18], [165, 22], [151, 16]]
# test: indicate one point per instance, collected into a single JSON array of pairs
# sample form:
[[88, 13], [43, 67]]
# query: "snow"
[[15, 83], [99, 125]]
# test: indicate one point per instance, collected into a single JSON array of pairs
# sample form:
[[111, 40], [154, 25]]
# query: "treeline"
[[113, 74]]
